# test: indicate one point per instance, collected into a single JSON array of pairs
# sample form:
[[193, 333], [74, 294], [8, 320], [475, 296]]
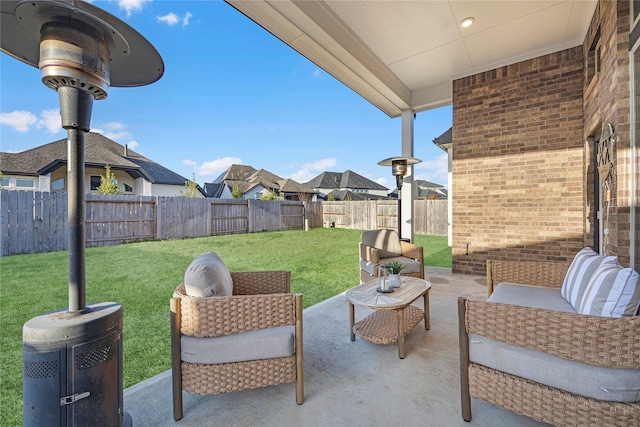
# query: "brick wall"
[[606, 100], [518, 160]]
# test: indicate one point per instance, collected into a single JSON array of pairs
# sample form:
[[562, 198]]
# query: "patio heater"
[[399, 170], [72, 358]]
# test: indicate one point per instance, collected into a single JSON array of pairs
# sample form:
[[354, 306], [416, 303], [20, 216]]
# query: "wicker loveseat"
[[538, 357], [261, 310]]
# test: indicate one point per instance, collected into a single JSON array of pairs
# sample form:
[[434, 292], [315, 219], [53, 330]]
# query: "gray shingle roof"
[[343, 180], [350, 195], [99, 151]]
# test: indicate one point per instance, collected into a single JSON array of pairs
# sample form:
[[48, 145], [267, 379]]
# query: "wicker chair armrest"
[[410, 250], [217, 316], [600, 341], [539, 273], [369, 253], [261, 282]]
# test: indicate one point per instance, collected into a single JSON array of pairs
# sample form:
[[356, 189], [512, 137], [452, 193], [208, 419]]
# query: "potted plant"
[[394, 268]]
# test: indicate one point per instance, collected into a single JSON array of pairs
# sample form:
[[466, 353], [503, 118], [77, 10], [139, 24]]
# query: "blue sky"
[[231, 93]]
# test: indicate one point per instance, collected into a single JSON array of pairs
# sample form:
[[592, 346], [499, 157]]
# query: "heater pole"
[[75, 204], [75, 113]]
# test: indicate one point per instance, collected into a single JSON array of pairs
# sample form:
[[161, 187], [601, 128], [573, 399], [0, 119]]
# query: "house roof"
[[245, 177], [443, 141], [262, 175], [213, 189], [99, 151], [350, 195], [235, 172], [291, 186], [386, 50], [427, 184], [344, 180]]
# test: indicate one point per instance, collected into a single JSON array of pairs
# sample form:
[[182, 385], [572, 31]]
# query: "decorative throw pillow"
[[207, 276], [582, 267], [612, 291]]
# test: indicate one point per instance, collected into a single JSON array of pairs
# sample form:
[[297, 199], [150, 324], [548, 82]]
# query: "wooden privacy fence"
[[429, 216], [33, 221]]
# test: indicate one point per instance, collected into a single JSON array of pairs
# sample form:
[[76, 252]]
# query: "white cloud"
[[117, 132], [317, 72], [189, 162], [385, 182], [310, 170], [435, 170], [169, 19], [50, 120], [320, 165], [18, 120], [214, 166], [131, 6], [186, 19]]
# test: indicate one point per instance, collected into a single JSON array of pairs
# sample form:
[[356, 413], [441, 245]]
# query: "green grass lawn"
[[142, 276]]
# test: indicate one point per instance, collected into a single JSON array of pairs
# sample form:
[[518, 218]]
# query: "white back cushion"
[[584, 264], [612, 291], [386, 240], [207, 276]]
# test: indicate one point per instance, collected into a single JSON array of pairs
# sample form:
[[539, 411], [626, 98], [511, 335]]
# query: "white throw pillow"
[[207, 276], [584, 264], [612, 291]]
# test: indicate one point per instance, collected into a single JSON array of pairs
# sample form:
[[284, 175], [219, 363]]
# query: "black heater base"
[[72, 368]]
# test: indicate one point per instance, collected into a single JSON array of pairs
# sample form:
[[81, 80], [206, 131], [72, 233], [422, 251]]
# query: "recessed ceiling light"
[[466, 22]]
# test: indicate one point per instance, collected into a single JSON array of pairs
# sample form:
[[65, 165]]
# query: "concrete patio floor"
[[348, 383]]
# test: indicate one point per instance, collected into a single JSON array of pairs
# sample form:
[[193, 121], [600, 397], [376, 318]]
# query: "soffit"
[[403, 55]]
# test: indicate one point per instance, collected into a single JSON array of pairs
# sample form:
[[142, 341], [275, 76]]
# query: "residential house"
[[253, 184], [347, 185], [425, 190], [44, 168], [537, 90]]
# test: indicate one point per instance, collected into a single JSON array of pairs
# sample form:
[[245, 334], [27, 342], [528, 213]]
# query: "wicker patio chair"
[[382, 246], [260, 300], [592, 340]]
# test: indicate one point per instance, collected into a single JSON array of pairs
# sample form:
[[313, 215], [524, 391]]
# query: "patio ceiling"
[[404, 55]]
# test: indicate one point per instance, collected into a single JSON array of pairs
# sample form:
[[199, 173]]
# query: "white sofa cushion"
[[611, 291], [252, 345], [207, 276], [582, 267]]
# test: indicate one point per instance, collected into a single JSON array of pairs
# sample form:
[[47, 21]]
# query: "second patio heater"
[[399, 170], [72, 358]]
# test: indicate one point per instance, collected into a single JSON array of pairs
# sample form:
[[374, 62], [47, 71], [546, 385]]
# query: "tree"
[[270, 195], [108, 183], [191, 189], [236, 193]]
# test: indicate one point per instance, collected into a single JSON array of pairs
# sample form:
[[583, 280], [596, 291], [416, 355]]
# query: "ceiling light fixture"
[[466, 22]]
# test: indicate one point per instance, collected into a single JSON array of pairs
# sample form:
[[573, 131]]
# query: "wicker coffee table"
[[394, 316]]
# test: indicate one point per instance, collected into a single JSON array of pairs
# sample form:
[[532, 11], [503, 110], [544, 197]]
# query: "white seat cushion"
[[611, 384], [410, 265], [253, 345]]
